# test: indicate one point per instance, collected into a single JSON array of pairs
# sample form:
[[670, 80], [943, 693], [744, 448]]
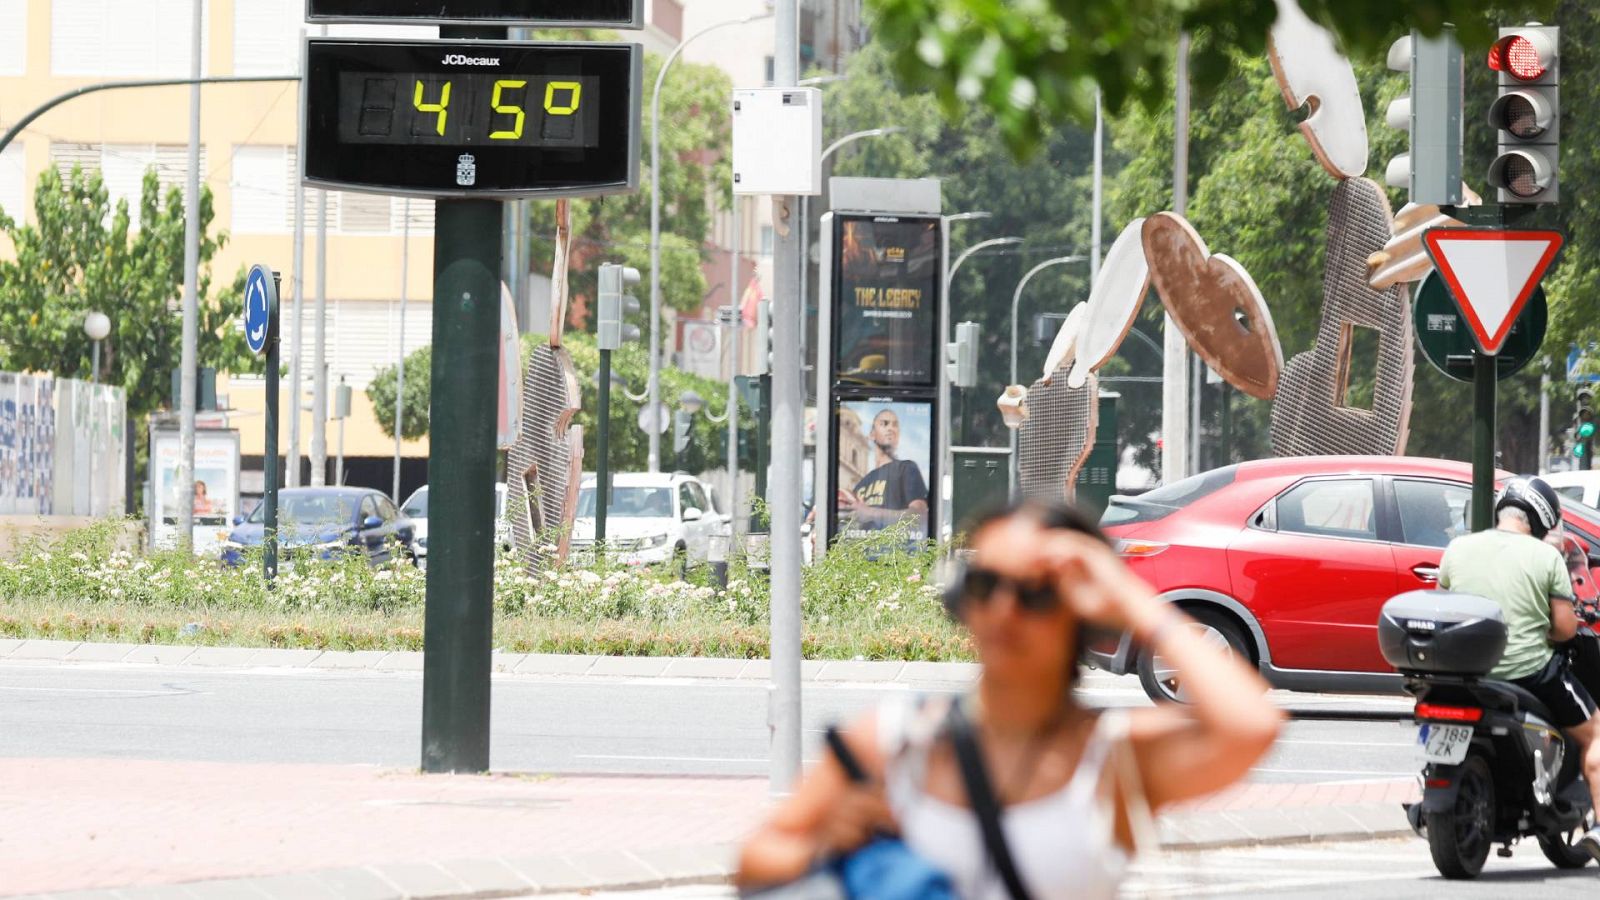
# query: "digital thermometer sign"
[[477, 118], [552, 13]]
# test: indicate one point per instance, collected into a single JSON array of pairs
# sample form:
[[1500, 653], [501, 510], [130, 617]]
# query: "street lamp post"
[[655, 224], [945, 475], [1016, 299], [97, 326]]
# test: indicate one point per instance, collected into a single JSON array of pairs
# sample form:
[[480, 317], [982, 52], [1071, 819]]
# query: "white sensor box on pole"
[[777, 141]]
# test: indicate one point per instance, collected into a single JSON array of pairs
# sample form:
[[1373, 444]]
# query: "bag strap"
[[846, 758], [980, 793]]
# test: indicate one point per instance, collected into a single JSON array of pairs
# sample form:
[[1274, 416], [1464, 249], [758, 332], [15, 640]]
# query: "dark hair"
[[1051, 517]]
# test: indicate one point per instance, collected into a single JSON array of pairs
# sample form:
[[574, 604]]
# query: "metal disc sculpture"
[[546, 463]]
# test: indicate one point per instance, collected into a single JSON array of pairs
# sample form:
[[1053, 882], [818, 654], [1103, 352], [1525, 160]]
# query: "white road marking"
[[66, 690]]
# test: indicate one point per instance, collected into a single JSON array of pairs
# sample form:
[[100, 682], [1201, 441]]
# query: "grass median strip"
[[873, 601]]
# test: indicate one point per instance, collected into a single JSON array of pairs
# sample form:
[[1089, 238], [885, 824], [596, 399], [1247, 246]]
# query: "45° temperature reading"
[[466, 110]]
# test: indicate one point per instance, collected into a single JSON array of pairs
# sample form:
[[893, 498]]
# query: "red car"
[[1288, 561]]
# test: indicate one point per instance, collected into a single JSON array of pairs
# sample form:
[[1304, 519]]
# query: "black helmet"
[[1535, 498]]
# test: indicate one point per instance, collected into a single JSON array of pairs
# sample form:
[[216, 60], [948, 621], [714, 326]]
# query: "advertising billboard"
[[883, 464], [216, 487], [886, 301]]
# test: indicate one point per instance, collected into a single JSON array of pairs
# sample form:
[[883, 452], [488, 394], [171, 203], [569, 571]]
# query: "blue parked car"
[[325, 523]]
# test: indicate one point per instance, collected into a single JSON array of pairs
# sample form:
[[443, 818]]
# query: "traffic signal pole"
[[458, 619], [602, 465]]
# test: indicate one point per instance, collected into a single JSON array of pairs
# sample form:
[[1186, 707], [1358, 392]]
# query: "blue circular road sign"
[[260, 298]]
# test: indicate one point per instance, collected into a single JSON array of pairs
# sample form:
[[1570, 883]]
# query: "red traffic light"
[[1521, 56]]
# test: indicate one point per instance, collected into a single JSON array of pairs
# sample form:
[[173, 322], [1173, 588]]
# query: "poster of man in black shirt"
[[883, 458]]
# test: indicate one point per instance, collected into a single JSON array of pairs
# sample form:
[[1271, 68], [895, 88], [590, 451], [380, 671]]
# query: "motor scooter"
[[1497, 769]]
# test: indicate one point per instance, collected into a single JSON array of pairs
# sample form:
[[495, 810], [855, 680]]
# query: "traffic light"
[[961, 356], [1527, 113], [1583, 432], [763, 338], [681, 421], [611, 327], [1430, 114]]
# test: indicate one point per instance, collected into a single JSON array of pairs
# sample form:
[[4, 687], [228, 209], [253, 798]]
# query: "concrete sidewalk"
[[102, 828]]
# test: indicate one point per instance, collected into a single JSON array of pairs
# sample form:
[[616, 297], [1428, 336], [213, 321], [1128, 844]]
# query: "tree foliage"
[[694, 170], [80, 255], [1256, 193], [1034, 62]]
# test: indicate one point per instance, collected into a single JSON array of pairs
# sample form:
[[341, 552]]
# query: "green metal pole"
[[458, 620], [1483, 383], [269, 557], [602, 465]]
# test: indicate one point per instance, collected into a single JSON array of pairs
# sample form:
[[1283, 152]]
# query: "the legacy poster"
[[886, 301]]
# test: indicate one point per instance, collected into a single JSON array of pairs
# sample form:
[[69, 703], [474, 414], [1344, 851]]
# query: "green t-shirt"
[[1519, 572]]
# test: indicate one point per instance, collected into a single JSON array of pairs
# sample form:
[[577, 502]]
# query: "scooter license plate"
[[1445, 743]]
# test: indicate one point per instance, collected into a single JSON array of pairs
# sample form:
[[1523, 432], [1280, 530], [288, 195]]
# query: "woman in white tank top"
[[1074, 785]]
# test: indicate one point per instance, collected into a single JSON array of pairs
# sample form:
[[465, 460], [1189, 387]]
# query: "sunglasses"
[[978, 587]]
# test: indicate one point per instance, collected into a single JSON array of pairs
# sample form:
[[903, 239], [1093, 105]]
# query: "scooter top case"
[[1442, 632]]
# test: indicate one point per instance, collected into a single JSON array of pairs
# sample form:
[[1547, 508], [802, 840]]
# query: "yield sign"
[[1491, 274]]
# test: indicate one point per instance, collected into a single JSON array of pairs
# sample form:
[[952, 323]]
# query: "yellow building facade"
[[248, 136]]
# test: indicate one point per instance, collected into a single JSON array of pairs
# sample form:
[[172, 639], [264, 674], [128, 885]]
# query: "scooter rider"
[[1513, 566]]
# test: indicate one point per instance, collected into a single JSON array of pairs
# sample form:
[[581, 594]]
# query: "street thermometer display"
[[479, 118]]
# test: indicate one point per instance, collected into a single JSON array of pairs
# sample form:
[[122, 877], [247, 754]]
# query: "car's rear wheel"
[[1162, 682]]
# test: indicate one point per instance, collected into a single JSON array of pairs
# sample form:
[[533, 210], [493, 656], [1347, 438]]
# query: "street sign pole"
[[269, 556], [1492, 274], [261, 336], [459, 613], [1483, 428]]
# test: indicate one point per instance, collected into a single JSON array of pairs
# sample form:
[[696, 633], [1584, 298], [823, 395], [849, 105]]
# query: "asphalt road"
[[645, 726]]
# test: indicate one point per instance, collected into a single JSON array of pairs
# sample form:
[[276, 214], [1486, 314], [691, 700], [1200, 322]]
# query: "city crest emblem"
[[466, 170]]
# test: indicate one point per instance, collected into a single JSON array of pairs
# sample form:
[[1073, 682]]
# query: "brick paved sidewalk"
[[356, 831]]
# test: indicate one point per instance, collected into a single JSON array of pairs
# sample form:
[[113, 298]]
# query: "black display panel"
[[564, 13], [886, 300], [479, 118]]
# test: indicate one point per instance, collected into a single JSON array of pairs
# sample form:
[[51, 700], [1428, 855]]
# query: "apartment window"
[[13, 37], [364, 214], [418, 210], [120, 38], [259, 190], [13, 184], [122, 167], [771, 70], [266, 36], [767, 239]]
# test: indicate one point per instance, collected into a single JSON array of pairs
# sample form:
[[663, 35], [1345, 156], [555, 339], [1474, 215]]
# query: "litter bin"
[[1097, 479], [980, 481]]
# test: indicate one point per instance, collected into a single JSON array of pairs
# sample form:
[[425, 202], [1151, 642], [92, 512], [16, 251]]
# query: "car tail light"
[[1437, 782], [1448, 713], [1139, 548]]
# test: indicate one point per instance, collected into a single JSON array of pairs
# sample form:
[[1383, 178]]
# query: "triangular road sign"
[[1491, 274]]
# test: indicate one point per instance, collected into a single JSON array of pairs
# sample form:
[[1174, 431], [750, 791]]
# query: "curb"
[[624, 870]]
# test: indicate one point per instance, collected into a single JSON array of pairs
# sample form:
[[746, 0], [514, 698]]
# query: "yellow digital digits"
[[442, 107], [572, 102], [516, 130]]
